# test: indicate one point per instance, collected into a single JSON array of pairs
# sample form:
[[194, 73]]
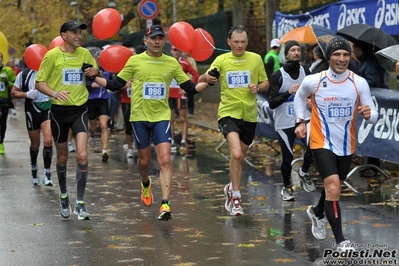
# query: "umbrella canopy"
[[391, 52], [306, 34], [368, 34]]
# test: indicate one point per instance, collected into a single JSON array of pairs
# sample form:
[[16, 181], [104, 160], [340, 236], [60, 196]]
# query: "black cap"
[[290, 44], [155, 30], [72, 25], [337, 44]]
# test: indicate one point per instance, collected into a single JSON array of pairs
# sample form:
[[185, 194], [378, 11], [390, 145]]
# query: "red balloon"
[[181, 35], [114, 57], [57, 41], [203, 45], [106, 23], [33, 55]]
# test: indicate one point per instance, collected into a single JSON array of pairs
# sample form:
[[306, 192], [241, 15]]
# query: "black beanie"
[[288, 46], [337, 44]]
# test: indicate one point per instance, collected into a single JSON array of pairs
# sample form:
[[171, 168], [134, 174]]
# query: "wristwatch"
[[299, 121]]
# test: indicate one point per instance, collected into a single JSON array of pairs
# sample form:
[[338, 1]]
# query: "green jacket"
[[271, 66], [7, 78]]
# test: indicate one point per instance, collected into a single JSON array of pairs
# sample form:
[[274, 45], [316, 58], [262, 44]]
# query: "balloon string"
[[206, 39], [213, 47]]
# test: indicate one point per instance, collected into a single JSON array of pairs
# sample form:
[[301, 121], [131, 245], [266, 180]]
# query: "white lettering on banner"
[[285, 25], [351, 16], [321, 20], [385, 128], [379, 15], [387, 14]]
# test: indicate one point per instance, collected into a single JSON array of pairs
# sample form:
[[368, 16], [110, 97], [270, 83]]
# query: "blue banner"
[[380, 140], [378, 13]]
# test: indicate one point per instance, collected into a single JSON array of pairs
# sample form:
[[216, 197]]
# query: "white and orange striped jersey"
[[335, 99]]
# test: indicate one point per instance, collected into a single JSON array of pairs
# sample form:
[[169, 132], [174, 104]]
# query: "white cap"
[[274, 43]]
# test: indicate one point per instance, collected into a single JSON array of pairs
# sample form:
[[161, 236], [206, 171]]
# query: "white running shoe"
[[318, 229], [70, 147], [92, 142], [47, 181], [130, 153], [228, 193], [307, 182], [235, 206], [345, 246]]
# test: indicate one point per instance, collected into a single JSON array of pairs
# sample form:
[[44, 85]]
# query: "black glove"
[[214, 73], [84, 67]]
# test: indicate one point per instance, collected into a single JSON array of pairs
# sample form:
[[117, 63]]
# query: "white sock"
[[236, 194]]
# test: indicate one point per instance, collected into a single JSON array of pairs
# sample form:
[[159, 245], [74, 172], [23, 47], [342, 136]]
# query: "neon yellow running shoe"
[[2, 150], [165, 212]]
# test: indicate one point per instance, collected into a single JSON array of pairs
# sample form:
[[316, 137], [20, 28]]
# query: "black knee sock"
[[81, 179], [319, 209], [47, 155], [61, 173], [333, 214], [307, 161], [33, 156]]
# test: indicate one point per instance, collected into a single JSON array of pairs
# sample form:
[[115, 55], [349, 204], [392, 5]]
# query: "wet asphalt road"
[[124, 232]]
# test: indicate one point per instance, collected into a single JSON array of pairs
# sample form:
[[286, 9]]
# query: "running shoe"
[[318, 229], [2, 149], [183, 147], [345, 246], [288, 194], [228, 193], [92, 142], [307, 183], [64, 208], [81, 212], [235, 206], [146, 193], [130, 153], [71, 148], [105, 155], [47, 181], [173, 148], [164, 212], [34, 178]]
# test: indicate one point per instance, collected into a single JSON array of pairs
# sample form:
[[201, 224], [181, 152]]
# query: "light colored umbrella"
[[391, 52], [306, 34]]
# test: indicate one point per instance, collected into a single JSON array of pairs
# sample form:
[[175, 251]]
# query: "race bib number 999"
[[154, 90], [72, 76]]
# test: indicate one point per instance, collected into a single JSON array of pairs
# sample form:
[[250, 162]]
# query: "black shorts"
[[177, 103], [328, 163], [35, 117], [97, 107], [65, 117], [246, 130], [126, 118]]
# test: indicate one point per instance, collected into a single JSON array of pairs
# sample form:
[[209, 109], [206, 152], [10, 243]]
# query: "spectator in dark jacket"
[[375, 75]]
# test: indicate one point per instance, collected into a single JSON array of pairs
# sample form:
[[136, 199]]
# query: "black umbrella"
[[368, 34]]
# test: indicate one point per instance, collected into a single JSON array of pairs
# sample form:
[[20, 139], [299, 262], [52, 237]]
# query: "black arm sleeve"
[[275, 98], [188, 87], [269, 67], [115, 84]]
